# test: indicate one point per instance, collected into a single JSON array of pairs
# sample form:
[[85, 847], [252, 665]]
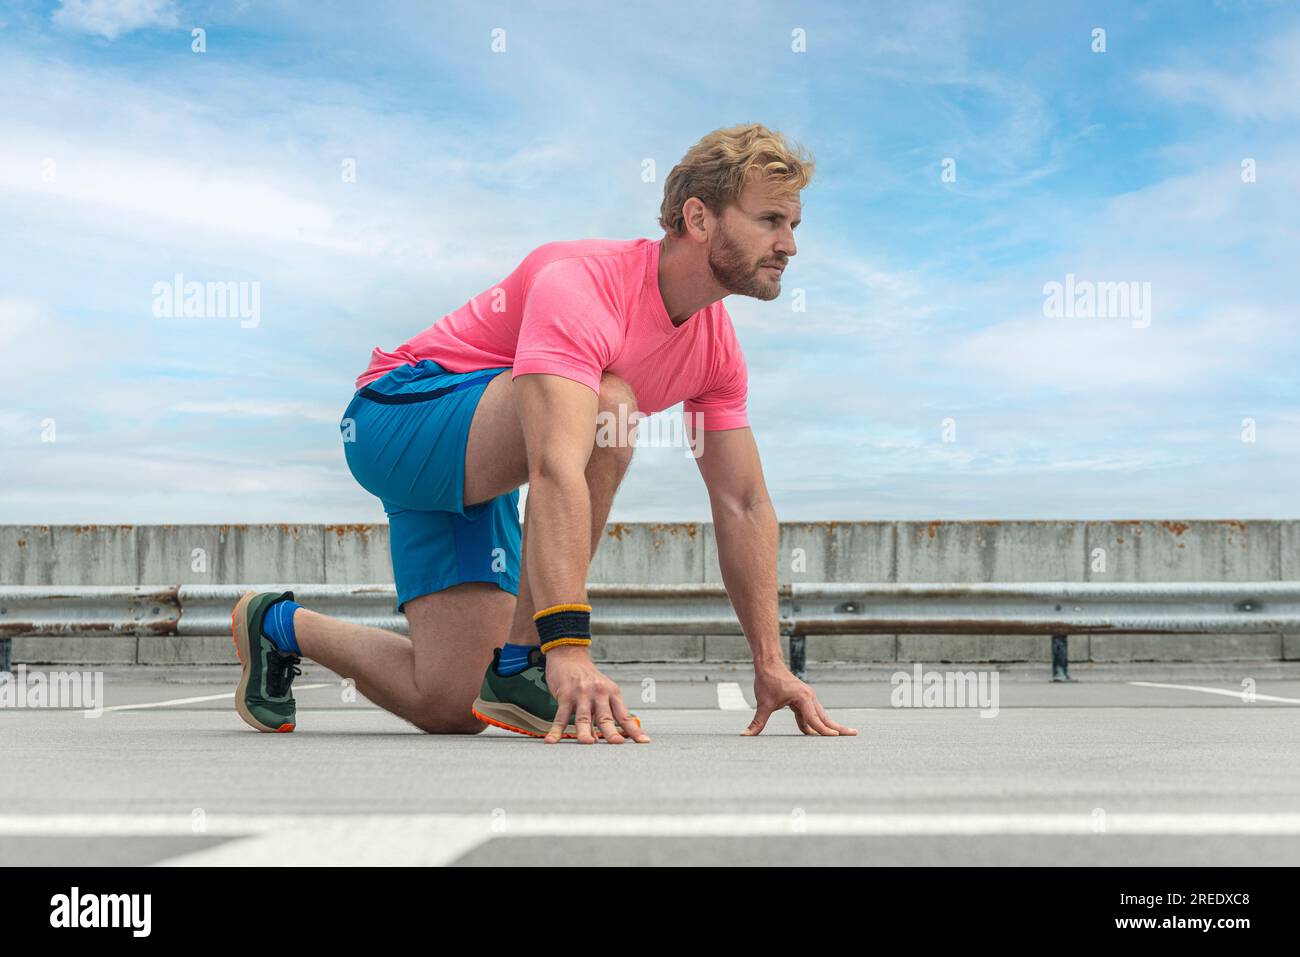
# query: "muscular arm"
[[745, 524], [746, 528], [558, 418]]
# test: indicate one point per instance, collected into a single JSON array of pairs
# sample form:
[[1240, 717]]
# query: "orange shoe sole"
[[532, 734]]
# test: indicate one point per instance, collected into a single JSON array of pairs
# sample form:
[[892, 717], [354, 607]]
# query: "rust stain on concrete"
[[672, 528], [1176, 527], [829, 526], [353, 528]]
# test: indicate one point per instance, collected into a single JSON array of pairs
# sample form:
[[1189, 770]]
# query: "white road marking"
[[1239, 695], [437, 839], [206, 697], [731, 698], [391, 832], [347, 842]]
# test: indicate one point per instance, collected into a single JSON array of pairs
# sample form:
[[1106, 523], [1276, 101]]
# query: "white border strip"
[[397, 826], [206, 697], [1239, 695], [731, 698], [440, 839]]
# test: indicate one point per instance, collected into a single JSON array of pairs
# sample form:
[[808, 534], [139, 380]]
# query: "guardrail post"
[[788, 609], [798, 657], [1061, 658]]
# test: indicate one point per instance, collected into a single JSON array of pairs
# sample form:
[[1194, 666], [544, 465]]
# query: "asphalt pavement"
[[1167, 765]]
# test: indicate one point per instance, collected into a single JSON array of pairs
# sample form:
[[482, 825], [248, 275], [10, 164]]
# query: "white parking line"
[[1282, 823], [731, 698], [206, 697], [352, 840], [1239, 695]]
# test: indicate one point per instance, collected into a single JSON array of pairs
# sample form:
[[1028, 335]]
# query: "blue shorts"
[[404, 437]]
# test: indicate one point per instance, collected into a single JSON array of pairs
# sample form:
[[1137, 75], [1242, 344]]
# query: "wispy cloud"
[[124, 163], [112, 18], [300, 411], [1261, 88]]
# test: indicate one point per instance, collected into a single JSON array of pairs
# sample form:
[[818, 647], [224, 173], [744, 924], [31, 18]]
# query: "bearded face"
[[740, 271]]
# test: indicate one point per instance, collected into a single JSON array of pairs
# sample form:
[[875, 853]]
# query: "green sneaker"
[[264, 698], [522, 702]]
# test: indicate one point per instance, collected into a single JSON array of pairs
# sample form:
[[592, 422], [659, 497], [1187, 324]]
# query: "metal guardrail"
[[205, 609], [1057, 609]]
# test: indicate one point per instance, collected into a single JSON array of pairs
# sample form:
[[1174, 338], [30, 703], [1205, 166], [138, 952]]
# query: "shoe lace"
[[281, 669]]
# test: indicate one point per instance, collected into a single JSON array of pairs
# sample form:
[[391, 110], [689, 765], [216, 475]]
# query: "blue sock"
[[278, 625], [514, 659]]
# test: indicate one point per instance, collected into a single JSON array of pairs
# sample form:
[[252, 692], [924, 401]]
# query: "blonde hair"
[[716, 169]]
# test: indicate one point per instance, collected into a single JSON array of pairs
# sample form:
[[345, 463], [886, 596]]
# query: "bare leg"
[[432, 678]]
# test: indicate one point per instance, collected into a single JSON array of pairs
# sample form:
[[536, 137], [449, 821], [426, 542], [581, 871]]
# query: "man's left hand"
[[779, 688]]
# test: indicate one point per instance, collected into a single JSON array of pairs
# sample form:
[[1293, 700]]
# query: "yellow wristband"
[[564, 641], [571, 606]]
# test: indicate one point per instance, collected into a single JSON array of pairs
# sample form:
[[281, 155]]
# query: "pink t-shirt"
[[579, 308]]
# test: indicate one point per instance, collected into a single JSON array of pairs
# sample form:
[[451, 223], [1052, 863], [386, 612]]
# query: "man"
[[508, 389]]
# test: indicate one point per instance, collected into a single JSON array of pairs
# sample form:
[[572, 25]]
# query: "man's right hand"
[[588, 697]]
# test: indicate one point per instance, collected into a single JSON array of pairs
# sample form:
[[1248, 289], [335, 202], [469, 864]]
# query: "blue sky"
[[126, 158]]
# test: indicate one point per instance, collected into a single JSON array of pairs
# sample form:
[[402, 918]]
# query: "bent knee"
[[448, 726], [446, 722]]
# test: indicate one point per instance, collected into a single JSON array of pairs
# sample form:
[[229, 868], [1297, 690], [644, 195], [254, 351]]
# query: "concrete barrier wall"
[[973, 551]]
